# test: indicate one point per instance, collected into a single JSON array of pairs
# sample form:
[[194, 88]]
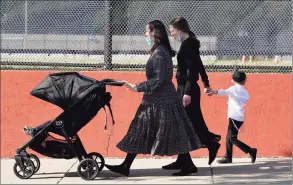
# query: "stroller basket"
[[55, 148]]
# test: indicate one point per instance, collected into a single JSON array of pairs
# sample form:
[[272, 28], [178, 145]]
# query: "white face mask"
[[149, 41], [179, 37]]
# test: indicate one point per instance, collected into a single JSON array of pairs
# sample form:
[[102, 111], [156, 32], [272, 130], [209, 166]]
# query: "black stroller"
[[81, 98]]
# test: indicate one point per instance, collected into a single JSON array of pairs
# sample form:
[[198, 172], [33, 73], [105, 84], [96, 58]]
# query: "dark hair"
[[239, 77], [160, 35], [181, 24]]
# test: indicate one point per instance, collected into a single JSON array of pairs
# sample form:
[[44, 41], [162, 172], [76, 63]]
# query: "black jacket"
[[190, 66]]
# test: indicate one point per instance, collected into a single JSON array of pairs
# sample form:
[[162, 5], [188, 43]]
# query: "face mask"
[[149, 41], [179, 37]]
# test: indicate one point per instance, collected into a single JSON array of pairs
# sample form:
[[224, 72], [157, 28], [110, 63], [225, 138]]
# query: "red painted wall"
[[268, 124]]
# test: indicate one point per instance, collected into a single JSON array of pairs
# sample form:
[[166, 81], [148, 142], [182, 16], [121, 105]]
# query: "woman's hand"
[[186, 100], [131, 87]]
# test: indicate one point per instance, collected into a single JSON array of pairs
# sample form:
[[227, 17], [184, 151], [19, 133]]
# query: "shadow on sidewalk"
[[268, 172], [136, 173]]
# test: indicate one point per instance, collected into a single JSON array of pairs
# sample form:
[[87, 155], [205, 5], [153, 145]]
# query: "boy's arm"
[[222, 92]]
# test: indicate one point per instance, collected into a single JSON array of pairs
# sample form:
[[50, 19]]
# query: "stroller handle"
[[113, 82]]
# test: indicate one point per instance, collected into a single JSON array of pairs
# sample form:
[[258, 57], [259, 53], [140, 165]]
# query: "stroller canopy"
[[64, 89]]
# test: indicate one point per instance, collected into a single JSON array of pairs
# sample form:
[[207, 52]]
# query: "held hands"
[[210, 92], [207, 91], [187, 99], [130, 86]]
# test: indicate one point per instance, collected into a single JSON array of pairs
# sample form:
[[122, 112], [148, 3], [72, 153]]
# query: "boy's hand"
[[209, 91], [212, 92]]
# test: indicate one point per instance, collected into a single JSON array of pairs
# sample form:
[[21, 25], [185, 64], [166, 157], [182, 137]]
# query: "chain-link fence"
[[108, 35]]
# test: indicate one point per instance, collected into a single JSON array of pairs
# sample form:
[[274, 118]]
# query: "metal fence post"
[[108, 36], [25, 24]]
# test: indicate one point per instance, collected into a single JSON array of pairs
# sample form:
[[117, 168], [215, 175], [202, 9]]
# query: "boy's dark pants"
[[231, 139]]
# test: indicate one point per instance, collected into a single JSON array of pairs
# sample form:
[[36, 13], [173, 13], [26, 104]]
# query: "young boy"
[[238, 96]]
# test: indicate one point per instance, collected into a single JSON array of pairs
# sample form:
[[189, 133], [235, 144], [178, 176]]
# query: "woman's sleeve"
[[194, 66], [202, 71], [159, 72]]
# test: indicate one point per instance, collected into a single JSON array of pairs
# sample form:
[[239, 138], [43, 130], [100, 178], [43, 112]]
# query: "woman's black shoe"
[[172, 166], [225, 160], [186, 171], [213, 151], [118, 169]]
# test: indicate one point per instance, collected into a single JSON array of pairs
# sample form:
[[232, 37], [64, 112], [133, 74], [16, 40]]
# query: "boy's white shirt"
[[238, 97]]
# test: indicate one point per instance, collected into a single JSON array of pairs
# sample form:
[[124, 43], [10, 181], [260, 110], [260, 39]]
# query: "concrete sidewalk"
[[148, 171]]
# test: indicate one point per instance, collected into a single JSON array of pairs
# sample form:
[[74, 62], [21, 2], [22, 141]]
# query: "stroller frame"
[[59, 125], [23, 159]]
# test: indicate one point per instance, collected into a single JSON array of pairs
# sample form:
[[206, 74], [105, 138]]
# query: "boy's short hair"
[[239, 76]]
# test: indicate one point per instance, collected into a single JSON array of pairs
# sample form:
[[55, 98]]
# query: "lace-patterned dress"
[[160, 125]]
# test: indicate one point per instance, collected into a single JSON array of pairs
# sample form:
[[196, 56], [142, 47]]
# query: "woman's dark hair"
[[160, 35], [181, 24]]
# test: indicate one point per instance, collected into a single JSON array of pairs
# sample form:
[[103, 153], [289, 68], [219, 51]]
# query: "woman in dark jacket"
[[160, 125], [189, 68]]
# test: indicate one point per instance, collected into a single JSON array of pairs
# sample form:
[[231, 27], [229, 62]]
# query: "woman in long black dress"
[[161, 125], [189, 68]]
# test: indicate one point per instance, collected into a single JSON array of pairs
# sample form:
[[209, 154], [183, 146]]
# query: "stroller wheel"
[[36, 162], [88, 169], [98, 158], [27, 171]]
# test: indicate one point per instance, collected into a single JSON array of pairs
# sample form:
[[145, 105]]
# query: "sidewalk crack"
[[67, 171], [212, 175]]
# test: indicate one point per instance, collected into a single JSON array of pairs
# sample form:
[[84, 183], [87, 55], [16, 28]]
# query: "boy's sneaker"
[[252, 154], [29, 130], [224, 160]]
